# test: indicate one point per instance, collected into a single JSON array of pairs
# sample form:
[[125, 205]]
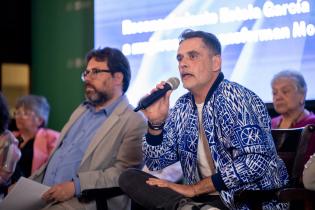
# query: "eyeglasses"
[[93, 73], [23, 114]]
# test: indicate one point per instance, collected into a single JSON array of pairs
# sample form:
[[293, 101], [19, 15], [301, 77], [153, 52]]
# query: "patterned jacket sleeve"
[[245, 132], [161, 151]]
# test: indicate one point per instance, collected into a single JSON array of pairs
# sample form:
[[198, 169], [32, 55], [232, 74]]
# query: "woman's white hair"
[[295, 76]]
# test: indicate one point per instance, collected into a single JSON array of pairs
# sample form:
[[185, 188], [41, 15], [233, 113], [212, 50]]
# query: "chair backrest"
[[291, 145]]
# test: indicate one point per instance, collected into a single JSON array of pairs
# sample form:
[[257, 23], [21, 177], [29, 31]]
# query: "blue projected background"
[[259, 38]]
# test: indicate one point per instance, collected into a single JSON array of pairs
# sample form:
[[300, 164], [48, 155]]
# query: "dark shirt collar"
[[215, 85]]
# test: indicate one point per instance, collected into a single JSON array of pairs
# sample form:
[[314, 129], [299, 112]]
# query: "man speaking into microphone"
[[219, 131]]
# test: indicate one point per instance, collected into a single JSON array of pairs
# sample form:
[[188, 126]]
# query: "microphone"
[[171, 84]]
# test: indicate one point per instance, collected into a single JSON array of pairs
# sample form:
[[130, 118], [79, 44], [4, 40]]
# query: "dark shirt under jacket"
[[24, 166]]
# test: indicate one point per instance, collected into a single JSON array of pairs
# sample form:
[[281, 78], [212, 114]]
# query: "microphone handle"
[[147, 101]]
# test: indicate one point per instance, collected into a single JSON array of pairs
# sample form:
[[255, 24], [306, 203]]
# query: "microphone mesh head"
[[173, 82]]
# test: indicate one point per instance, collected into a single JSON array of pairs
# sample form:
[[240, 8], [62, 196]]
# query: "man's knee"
[[127, 177]]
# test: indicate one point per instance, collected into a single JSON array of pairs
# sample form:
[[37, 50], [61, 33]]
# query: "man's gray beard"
[[97, 98]]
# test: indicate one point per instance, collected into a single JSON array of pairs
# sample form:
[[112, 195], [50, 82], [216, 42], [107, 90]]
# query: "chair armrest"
[[295, 194], [99, 193], [255, 196]]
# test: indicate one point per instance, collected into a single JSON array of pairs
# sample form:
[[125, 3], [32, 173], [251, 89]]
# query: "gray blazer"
[[115, 147], [309, 173]]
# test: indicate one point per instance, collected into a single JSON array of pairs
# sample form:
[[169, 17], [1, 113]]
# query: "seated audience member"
[[219, 131], [36, 142], [9, 151], [101, 139], [309, 173], [289, 91]]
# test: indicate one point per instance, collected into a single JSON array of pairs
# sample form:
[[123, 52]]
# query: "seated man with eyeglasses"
[[101, 139]]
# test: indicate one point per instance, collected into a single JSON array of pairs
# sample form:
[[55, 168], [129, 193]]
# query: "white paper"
[[25, 195]]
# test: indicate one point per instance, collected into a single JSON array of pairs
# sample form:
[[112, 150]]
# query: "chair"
[[100, 195], [291, 145], [172, 173]]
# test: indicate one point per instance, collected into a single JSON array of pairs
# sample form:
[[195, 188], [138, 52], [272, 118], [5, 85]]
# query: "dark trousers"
[[133, 183]]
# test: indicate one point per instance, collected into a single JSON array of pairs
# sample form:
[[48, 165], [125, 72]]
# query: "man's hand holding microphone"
[[155, 106]]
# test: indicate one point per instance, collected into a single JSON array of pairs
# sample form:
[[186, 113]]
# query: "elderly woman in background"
[[35, 140], [289, 91], [9, 151]]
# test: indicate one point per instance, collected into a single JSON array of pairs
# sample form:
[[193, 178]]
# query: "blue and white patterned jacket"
[[237, 126]]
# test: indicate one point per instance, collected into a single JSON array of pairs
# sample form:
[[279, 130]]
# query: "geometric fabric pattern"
[[237, 127]]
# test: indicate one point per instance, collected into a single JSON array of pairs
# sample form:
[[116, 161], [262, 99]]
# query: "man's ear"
[[119, 77], [216, 63]]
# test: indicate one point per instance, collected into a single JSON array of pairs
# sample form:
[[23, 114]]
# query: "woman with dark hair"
[[4, 114], [9, 151]]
